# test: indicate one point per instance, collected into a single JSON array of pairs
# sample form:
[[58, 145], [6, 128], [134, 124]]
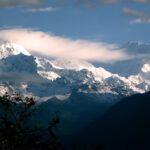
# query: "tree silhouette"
[[16, 131]]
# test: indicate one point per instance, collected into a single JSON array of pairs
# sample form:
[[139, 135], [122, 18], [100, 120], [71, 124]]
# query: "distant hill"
[[77, 89], [126, 126]]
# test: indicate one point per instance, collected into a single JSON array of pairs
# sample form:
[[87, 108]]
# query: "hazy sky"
[[100, 25]]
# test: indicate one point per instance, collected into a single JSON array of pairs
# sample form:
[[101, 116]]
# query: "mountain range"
[[58, 78], [77, 89], [125, 126]]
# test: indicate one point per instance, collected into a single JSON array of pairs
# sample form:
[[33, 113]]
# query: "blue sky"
[[107, 23]]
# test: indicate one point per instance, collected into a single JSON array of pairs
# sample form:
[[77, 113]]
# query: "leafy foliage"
[[16, 133]]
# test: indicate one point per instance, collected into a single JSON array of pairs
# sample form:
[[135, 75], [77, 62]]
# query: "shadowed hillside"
[[126, 126]]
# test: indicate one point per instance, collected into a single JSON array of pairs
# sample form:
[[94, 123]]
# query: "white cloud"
[[91, 3], [48, 9], [54, 46], [141, 16], [119, 1], [14, 3], [140, 21]]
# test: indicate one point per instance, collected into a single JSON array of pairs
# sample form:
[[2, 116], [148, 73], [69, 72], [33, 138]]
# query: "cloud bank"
[[140, 16], [121, 1], [14, 3], [58, 47], [48, 9]]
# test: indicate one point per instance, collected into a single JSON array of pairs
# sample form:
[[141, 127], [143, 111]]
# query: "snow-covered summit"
[[8, 49], [146, 68], [72, 64], [78, 65], [142, 79], [60, 76]]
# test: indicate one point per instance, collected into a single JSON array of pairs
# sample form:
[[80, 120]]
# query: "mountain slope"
[[7, 49], [140, 53], [125, 126], [47, 78], [79, 90]]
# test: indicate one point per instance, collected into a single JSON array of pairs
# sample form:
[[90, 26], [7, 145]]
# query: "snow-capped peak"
[[99, 73], [77, 65], [146, 68], [61, 76], [7, 49], [71, 64]]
